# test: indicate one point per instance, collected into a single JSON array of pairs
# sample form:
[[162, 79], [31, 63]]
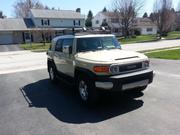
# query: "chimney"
[[1, 14]]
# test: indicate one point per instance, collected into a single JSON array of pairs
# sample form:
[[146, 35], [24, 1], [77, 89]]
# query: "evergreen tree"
[[145, 15], [104, 9], [89, 19]]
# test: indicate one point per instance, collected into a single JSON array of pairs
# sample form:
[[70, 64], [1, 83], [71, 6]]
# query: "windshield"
[[97, 43]]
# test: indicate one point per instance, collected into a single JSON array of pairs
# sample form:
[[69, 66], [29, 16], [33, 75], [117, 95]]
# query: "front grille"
[[116, 69], [130, 67]]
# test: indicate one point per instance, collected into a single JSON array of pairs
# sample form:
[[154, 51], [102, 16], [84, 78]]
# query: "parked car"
[[96, 62]]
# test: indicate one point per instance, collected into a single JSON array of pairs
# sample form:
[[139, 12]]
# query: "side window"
[[58, 46], [68, 42]]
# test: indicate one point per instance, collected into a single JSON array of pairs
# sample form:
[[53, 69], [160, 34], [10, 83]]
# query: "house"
[[11, 30], [111, 19], [41, 25], [177, 21], [145, 26]]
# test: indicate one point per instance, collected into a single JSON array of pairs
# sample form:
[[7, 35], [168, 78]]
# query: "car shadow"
[[63, 103]]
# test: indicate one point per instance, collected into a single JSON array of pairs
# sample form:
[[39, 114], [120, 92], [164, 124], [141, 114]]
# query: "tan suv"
[[96, 62]]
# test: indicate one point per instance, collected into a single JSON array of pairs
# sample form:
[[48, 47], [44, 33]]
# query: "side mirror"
[[66, 49]]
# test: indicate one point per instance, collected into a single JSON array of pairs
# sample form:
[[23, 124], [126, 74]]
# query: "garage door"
[[6, 38]]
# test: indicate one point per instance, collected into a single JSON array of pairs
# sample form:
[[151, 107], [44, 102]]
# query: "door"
[[63, 61], [67, 66], [58, 55]]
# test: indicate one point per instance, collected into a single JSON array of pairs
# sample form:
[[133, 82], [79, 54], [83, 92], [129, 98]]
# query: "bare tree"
[[164, 16], [22, 7], [127, 11]]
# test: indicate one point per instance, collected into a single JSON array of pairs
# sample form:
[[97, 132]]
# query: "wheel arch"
[[50, 62], [82, 71]]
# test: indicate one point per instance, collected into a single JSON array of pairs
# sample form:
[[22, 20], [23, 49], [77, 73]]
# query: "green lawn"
[[173, 35], [165, 54], [38, 47], [138, 39]]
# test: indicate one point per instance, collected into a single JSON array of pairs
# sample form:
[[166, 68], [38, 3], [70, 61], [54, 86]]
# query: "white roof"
[[83, 36], [13, 24], [94, 35], [64, 14]]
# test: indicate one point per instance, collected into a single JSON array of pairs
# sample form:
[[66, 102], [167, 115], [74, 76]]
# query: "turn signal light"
[[101, 69]]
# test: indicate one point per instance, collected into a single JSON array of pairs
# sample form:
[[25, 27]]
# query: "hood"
[[112, 55]]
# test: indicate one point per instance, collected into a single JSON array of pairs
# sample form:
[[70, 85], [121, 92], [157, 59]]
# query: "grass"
[[138, 39], [36, 47], [173, 35], [173, 54]]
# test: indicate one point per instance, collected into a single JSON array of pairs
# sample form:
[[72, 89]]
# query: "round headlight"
[[114, 69], [146, 64]]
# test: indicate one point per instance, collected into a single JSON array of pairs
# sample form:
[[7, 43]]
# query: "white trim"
[[135, 84]]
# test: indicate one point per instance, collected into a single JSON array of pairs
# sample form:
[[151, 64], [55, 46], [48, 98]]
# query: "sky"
[[85, 5]]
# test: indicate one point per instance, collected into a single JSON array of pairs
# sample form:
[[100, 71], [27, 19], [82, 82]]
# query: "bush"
[[164, 34], [177, 29], [133, 36], [137, 32]]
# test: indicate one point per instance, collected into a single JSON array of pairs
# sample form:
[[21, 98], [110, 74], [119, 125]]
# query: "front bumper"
[[124, 81]]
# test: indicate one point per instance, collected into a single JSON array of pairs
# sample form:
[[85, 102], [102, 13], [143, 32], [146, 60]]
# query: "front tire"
[[87, 91]]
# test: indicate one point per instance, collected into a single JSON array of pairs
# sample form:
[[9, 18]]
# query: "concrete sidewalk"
[[152, 45]]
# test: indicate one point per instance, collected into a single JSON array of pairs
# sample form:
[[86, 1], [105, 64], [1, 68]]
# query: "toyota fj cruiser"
[[97, 62]]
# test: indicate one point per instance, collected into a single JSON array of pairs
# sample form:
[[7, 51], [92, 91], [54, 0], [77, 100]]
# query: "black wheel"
[[52, 74], [87, 90]]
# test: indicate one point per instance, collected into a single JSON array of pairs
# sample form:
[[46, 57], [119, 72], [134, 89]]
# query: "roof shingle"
[[12, 24], [65, 14]]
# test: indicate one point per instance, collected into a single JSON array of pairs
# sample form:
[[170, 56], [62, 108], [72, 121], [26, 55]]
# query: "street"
[[151, 45], [18, 61], [31, 105]]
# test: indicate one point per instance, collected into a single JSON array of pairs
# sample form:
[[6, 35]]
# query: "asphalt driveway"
[[31, 105], [11, 47]]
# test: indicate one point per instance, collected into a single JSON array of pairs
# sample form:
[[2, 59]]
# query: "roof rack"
[[87, 31]]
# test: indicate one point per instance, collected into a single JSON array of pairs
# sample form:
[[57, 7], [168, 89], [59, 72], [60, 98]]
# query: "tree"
[[78, 10], [46, 7], [164, 16], [145, 15], [152, 16], [22, 7], [104, 23], [127, 11], [104, 9], [89, 19], [2, 15]]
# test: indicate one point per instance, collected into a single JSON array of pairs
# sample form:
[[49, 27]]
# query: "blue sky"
[[85, 5]]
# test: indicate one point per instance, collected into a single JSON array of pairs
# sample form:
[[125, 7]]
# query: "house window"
[[42, 22], [149, 29], [97, 21], [27, 36], [76, 22], [45, 22]]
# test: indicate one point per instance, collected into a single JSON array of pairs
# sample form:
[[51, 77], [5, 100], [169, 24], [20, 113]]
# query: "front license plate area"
[[135, 84]]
